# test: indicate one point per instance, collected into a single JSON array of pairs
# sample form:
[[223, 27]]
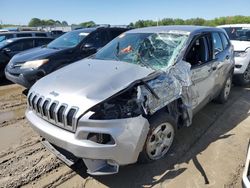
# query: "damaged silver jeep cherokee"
[[125, 103]]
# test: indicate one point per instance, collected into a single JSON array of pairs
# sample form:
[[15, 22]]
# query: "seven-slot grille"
[[60, 115]]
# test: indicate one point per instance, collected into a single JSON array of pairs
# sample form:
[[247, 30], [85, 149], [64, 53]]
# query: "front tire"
[[160, 138], [243, 79]]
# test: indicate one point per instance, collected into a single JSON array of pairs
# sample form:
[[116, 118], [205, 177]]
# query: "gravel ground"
[[210, 153]]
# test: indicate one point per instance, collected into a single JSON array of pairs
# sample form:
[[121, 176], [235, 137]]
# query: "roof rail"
[[112, 26]]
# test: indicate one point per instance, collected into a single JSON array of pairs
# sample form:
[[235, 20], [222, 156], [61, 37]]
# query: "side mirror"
[[89, 47], [6, 50]]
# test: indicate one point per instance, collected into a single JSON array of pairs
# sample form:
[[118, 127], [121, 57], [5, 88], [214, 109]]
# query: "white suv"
[[239, 35]]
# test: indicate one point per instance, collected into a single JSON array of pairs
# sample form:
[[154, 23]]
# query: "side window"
[[217, 44], [16, 47], [24, 35], [6, 36], [40, 35], [224, 40], [41, 42], [97, 39], [199, 52], [27, 44]]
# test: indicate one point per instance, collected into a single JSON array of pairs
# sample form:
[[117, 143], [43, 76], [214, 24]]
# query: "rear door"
[[200, 57], [221, 54]]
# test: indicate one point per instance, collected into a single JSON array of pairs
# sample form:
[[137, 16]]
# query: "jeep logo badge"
[[54, 93]]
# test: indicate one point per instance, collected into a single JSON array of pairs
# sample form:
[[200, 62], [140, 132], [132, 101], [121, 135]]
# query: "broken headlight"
[[122, 106]]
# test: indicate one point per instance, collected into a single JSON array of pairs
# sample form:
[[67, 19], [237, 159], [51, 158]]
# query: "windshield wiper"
[[117, 51], [117, 48]]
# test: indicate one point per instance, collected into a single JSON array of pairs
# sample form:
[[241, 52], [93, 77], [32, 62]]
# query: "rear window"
[[24, 35], [40, 34]]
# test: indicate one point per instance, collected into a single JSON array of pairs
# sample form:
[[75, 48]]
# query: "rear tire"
[[160, 138], [225, 91]]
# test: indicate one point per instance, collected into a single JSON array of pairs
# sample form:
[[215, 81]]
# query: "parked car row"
[[17, 34], [27, 67]]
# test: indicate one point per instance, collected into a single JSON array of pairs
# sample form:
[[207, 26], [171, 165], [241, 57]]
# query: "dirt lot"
[[210, 153]]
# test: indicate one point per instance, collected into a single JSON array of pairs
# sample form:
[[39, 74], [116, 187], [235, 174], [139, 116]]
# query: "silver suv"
[[125, 103]]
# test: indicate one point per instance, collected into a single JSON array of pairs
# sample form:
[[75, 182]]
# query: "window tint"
[[6, 36], [199, 52], [114, 33], [98, 39], [27, 44], [24, 35], [41, 34], [15, 47], [41, 42], [9, 36], [217, 44], [224, 40]]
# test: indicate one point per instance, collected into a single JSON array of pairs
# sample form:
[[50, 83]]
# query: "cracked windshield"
[[156, 51]]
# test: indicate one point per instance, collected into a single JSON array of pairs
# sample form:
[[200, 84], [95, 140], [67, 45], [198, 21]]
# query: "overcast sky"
[[117, 11]]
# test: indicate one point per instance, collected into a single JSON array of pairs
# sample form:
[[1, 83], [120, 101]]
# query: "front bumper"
[[241, 64], [129, 136], [24, 79], [246, 175]]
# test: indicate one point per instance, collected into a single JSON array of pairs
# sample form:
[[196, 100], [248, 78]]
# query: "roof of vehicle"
[[183, 28], [87, 30], [20, 32], [20, 38], [234, 25]]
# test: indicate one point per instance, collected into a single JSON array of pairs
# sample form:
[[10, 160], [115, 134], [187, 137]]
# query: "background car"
[[239, 34], [27, 67], [10, 47], [126, 102], [9, 35]]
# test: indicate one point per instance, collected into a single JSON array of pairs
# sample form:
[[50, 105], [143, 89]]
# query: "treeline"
[[35, 22], [192, 21]]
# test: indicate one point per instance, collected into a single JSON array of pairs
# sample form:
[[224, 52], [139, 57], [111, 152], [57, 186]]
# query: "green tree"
[[34, 22], [57, 22], [50, 22], [88, 24], [64, 23]]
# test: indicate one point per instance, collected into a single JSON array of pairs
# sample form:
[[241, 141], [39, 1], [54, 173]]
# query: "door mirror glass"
[[6, 50], [89, 47]]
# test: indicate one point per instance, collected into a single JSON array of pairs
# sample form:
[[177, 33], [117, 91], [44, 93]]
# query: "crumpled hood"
[[34, 54], [88, 82], [240, 45]]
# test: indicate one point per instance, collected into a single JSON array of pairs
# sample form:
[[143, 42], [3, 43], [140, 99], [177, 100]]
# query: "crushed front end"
[[103, 145]]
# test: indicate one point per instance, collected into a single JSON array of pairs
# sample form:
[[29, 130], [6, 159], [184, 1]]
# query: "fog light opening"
[[101, 138]]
